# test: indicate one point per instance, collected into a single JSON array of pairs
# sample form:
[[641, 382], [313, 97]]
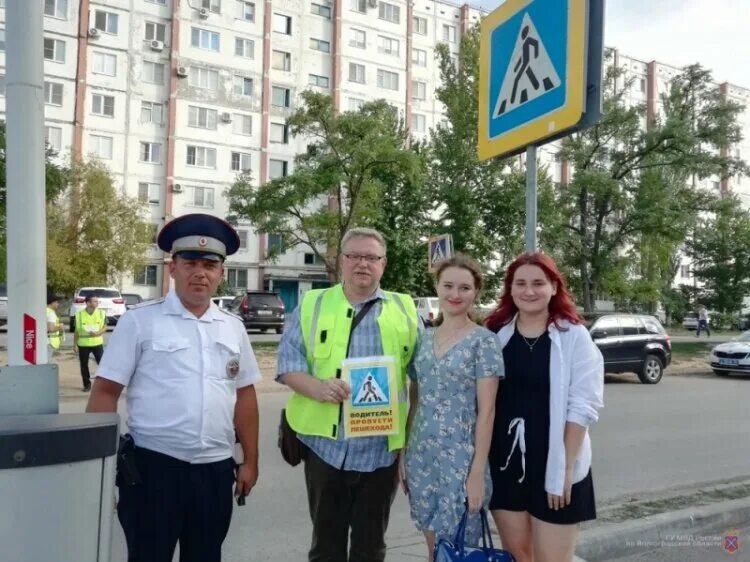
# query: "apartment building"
[[177, 97]]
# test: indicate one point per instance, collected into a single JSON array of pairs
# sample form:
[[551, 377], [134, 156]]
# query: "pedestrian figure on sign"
[[370, 394], [523, 65]]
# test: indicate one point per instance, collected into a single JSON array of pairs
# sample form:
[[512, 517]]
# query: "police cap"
[[199, 236]]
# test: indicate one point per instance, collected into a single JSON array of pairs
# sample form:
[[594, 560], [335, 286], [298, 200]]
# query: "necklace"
[[531, 345]]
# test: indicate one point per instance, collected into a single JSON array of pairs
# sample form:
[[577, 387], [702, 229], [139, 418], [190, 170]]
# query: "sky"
[[713, 33]]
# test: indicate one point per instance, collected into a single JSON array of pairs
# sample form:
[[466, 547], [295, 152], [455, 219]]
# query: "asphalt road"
[[683, 431]]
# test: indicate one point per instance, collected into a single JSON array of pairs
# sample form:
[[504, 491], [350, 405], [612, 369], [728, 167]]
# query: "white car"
[[110, 301], [732, 356], [223, 302], [427, 308]]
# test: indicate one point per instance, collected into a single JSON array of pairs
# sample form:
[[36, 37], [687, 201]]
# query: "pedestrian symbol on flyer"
[[439, 251], [530, 73], [373, 386]]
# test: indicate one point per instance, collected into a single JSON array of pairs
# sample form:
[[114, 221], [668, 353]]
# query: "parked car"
[[110, 301], [260, 310], [131, 299], [427, 308], [690, 322], [224, 302], [632, 343], [3, 305], [732, 356]]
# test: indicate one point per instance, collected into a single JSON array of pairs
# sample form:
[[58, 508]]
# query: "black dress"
[[524, 393]]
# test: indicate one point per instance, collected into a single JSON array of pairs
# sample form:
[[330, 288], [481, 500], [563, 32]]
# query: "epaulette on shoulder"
[[232, 314], [144, 304]]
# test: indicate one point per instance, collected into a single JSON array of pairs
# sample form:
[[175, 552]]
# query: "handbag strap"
[[460, 537]]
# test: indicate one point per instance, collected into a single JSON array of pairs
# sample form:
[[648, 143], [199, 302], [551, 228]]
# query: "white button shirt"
[[182, 377]]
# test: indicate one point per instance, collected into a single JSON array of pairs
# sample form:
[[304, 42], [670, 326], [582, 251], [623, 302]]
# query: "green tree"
[[720, 251], [96, 235], [629, 189], [337, 184]]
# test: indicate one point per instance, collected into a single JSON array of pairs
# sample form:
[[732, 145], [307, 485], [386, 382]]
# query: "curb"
[[632, 537]]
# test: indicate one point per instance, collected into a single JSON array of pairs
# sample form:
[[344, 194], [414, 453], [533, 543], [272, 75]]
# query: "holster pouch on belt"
[[127, 469]]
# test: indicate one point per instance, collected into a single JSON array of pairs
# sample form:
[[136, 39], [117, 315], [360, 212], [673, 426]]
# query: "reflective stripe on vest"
[[53, 338], [83, 319]]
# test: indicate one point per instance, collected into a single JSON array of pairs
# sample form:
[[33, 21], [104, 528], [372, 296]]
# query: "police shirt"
[[182, 375]]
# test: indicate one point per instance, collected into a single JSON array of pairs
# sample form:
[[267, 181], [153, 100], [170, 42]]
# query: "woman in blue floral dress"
[[455, 374]]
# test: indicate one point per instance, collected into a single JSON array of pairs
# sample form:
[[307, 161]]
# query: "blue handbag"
[[455, 550]]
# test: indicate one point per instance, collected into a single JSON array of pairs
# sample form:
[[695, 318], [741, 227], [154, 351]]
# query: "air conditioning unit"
[[372, 3], [204, 13], [94, 33], [226, 117], [176, 188], [182, 71], [157, 45]]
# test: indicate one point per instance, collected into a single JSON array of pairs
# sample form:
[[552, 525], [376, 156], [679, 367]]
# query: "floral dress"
[[441, 441]]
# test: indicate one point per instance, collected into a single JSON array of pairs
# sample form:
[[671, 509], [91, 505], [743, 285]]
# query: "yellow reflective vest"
[[54, 338], [329, 310], [85, 321]]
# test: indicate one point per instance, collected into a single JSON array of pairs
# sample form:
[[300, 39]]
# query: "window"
[[449, 33], [242, 86], [161, 2], [643, 84], [312, 259], [282, 24], [201, 156], [155, 31], [100, 147], [103, 105], [629, 325], [418, 90], [145, 275], [605, 327], [387, 80], [54, 50], [237, 278], [359, 6], [53, 136], [278, 168], [204, 39], [388, 46], [320, 45], [201, 117], [203, 197], [106, 21], [241, 161], [280, 97], [323, 11], [212, 5], [153, 72], [652, 326], [420, 25], [717, 185], [320, 81], [355, 104], [2, 39], [356, 73], [244, 48], [246, 10], [150, 152], [104, 63], [281, 60], [685, 271], [242, 124], [204, 78], [418, 123], [389, 12], [2, 85], [148, 193], [56, 8], [53, 93], [274, 241], [152, 113], [280, 133], [357, 38], [419, 57], [243, 235]]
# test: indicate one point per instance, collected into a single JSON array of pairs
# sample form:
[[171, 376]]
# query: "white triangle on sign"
[[370, 392], [438, 254], [530, 72]]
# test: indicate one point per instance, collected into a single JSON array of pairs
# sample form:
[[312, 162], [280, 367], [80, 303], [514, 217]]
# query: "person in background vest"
[[351, 482], [55, 330], [91, 323]]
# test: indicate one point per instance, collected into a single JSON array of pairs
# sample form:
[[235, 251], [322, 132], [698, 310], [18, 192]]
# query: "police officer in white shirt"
[[190, 373]]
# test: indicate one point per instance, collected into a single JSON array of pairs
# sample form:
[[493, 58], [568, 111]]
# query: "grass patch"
[[685, 351]]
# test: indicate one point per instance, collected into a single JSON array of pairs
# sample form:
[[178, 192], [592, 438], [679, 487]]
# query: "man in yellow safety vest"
[[90, 323]]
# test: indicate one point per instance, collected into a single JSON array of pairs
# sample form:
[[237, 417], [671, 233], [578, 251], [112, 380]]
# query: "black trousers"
[[176, 501], [344, 500], [83, 359]]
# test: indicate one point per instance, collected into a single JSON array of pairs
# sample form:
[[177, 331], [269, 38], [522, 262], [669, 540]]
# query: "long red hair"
[[561, 306]]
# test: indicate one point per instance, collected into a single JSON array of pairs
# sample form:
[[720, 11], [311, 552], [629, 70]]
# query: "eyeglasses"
[[359, 257]]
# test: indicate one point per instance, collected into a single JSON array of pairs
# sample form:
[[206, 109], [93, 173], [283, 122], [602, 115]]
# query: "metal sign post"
[[531, 198]]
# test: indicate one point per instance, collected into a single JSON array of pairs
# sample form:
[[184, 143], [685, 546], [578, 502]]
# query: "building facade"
[[177, 97]]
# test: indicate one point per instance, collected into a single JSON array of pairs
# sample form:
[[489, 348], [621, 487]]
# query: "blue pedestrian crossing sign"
[[532, 78]]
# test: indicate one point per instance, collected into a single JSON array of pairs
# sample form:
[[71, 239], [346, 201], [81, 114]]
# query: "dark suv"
[[632, 343], [260, 310]]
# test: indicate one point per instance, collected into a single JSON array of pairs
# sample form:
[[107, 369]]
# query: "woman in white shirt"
[[540, 458]]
